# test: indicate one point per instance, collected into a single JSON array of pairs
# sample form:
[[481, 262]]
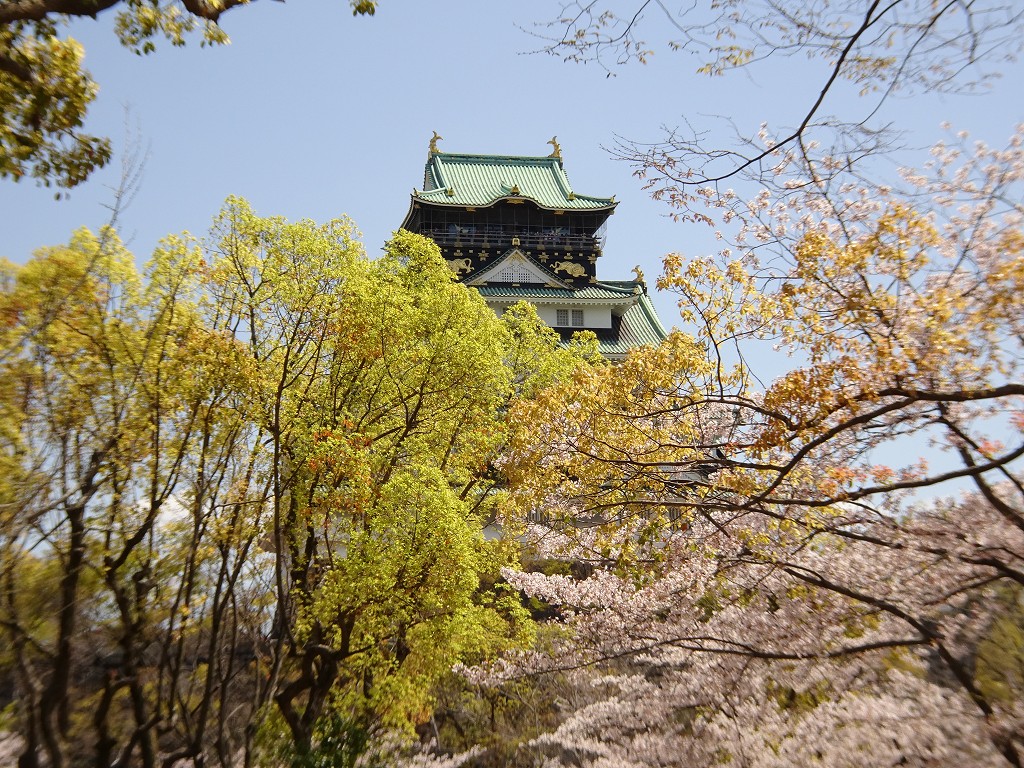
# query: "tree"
[[243, 499], [765, 571], [776, 579], [383, 382], [45, 93], [730, 661], [124, 418], [870, 53]]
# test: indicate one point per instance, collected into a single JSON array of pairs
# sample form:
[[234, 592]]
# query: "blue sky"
[[312, 113]]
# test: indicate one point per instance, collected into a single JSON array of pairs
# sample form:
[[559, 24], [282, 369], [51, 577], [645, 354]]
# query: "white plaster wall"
[[593, 317]]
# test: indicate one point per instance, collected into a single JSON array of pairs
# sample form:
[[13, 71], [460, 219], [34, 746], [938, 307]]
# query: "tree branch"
[[37, 10]]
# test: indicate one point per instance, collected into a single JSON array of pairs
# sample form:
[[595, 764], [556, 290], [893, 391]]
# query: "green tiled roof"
[[600, 290], [480, 180], [640, 327]]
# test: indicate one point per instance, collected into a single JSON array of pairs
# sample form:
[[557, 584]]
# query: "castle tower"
[[513, 228]]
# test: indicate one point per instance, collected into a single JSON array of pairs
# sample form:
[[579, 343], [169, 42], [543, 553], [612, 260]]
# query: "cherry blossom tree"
[[803, 518], [811, 570]]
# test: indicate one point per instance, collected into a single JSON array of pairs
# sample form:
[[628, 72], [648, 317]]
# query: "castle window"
[[563, 316]]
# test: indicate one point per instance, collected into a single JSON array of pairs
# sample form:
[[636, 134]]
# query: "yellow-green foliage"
[[265, 424], [391, 472]]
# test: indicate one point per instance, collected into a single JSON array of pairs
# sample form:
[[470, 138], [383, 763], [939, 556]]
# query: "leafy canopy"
[[257, 474]]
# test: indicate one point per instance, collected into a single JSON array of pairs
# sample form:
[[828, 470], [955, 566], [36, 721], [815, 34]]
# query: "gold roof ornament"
[[639, 274], [433, 143], [557, 151]]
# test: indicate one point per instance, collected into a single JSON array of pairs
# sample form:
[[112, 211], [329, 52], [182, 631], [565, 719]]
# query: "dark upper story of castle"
[[477, 207]]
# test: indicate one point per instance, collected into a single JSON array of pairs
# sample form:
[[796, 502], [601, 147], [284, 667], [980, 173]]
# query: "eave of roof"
[[602, 292]]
